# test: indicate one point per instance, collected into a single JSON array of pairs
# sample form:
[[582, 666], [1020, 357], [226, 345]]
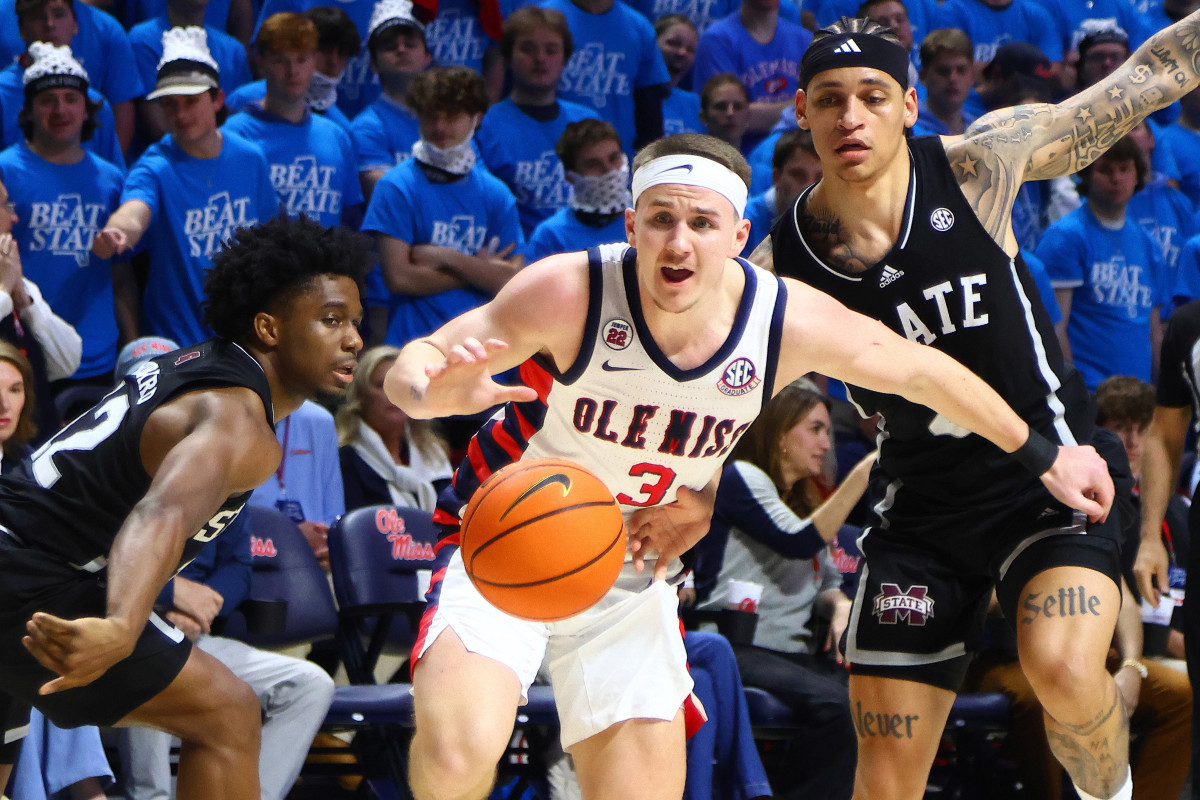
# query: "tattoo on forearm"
[[881, 724], [1068, 601]]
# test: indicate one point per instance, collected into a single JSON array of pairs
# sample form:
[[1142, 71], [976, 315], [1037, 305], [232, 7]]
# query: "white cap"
[[53, 67], [390, 13], [197, 74]]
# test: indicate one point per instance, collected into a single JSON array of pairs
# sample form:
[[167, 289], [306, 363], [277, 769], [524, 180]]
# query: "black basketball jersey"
[[947, 284], [71, 496]]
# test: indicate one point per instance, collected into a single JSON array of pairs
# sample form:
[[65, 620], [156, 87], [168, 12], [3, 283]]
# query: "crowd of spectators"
[[473, 136]]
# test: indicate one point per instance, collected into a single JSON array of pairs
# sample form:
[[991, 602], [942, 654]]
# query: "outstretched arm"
[[1004, 148], [1162, 454], [542, 309], [200, 449], [822, 335]]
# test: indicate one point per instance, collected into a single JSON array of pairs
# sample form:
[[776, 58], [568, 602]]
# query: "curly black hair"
[[268, 265]]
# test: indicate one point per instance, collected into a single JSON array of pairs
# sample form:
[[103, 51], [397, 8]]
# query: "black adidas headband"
[[854, 50]]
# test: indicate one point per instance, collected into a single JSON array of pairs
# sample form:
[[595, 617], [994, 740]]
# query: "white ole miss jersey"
[[622, 409]]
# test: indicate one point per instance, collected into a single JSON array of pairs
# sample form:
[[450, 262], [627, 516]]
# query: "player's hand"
[[462, 384], [201, 603], [79, 650], [672, 529], [317, 534], [1129, 687], [10, 263], [1079, 477], [1150, 569], [189, 625], [110, 242]]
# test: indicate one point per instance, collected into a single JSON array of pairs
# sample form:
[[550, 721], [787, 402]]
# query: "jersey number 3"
[[654, 490], [103, 423]]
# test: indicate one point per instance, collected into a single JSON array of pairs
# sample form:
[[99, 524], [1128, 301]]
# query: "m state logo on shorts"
[[893, 605], [617, 334], [739, 378]]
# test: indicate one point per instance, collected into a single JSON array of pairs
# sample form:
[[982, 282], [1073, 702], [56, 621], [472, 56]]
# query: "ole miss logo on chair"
[[404, 548], [262, 548]]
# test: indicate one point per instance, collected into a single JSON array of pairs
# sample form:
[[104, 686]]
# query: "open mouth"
[[852, 147], [345, 373], [673, 275]]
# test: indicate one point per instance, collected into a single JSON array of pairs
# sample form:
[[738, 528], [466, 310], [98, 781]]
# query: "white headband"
[[691, 170]]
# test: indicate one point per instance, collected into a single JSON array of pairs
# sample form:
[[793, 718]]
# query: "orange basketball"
[[543, 539]]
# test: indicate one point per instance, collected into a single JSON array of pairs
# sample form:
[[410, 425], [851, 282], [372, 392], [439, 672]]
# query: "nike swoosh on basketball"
[[607, 367]]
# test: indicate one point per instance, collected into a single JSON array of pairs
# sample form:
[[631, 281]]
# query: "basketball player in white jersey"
[[643, 363]]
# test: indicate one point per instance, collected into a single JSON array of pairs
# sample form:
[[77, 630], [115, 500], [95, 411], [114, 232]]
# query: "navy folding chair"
[[381, 559], [290, 603]]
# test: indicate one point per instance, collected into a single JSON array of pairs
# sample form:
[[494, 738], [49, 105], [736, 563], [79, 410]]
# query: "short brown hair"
[[578, 135], [695, 144], [789, 143], [530, 18], [287, 32], [1124, 149], [671, 20], [26, 7], [1124, 399], [946, 40], [716, 82], [449, 89]]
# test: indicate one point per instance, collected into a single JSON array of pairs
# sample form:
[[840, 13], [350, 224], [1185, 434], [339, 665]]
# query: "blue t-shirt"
[[1184, 144], [309, 478], [929, 125], [989, 27], [564, 233], [769, 71], [103, 143], [312, 162], [1069, 18], [1163, 212], [359, 85], [253, 93], [384, 134], [463, 215], [615, 53], [519, 150], [101, 46], [196, 205], [681, 113], [760, 210], [1187, 273], [216, 14], [1118, 278], [702, 13], [760, 160], [456, 36], [60, 207], [1045, 289], [228, 52]]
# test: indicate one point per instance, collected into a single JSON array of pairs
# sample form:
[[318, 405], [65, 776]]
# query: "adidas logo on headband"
[[848, 47]]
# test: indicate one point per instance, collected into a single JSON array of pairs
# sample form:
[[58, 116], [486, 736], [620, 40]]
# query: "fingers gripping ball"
[[543, 539]]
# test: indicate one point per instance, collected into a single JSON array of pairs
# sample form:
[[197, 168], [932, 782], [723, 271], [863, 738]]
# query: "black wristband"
[[1037, 454]]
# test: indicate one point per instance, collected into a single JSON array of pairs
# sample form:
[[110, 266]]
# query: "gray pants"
[[295, 695]]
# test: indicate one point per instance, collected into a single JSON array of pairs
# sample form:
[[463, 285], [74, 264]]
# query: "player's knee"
[[236, 718], [456, 760], [1064, 678]]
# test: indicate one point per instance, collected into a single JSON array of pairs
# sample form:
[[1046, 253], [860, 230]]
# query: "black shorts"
[[926, 581], [30, 581]]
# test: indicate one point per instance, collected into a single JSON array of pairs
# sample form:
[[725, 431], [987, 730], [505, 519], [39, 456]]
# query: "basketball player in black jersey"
[[96, 521], [917, 233]]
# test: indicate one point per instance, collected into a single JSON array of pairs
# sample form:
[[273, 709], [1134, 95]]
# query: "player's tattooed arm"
[[1002, 149]]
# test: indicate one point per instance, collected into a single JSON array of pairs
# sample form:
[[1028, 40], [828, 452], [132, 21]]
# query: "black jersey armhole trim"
[[591, 328], [774, 341], [742, 317]]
